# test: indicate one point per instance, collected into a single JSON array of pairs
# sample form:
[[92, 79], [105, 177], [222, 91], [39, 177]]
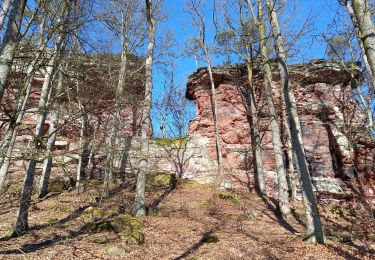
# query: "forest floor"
[[193, 221]]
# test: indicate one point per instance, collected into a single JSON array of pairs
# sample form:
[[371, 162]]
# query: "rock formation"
[[337, 145], [97, 76]]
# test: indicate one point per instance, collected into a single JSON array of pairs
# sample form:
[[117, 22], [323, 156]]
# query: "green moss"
[[130, 229], [160, 179], [229, 198], [127, 222], [194, 183], [93, 213], [171, 142], [210, 238], [133, 237], [104, 226], [237, 217], [207, 205], [98, 240], [57, 185]]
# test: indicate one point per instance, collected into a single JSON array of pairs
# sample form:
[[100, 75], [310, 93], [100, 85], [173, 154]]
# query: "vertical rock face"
[[97, 91], [336, 143]]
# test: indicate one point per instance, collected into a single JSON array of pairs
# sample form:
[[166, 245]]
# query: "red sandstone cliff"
[[336, 143]]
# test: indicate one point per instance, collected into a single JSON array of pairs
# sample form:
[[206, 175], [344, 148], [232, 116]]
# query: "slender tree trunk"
[[366, 29], [283, 197], [10, 138], [314, 227], [4, 11], [22, 214], [140, 201], [366, 106], [214, 111], [118, 106], [84, 144], [52, 133], [353, 17], [10, 41], [287, 142], [255, 140]]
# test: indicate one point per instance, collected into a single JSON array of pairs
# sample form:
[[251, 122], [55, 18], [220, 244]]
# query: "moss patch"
[[230, 198], [171, 142], [93, 213], [159, 179], [98, 240], [210, 238], [194, 183], [130, 229], [103, 226]]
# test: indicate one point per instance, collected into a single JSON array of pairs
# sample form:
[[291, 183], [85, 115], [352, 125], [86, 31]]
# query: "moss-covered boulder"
[[115, 251], [159, 179], [130, 229], [133, 237], [103, 226], [59, 184]]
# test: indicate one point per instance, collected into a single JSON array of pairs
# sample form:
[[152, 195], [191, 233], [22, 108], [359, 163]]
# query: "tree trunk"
[[118, 106], [287, 142], [314, 227], [349, 7], [10, 138], [283, 197], [140, 201], [22, 214], [52, 133], [255, 138], [84, 144], [4, 11], [214, 111], [366, 29], [10, 41]]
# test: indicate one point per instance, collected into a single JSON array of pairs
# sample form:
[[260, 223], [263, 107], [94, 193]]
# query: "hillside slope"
[[193, 221]]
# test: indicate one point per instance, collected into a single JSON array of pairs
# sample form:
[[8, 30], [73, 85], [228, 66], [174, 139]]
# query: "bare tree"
[[131, 33], [10, 41], [52, 133], [241, 40], [4, 11], [194, 7], [22, 214], [140, 201], [313, 223], [283, 200], [360, 14], [8, 143]]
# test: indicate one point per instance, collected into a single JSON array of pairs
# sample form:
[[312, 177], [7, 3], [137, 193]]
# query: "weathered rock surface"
[[336, 144]]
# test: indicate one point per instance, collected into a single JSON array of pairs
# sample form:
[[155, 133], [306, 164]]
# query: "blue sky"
[[319, 13]]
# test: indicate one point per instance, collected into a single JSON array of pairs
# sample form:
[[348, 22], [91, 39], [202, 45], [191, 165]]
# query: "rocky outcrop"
[[96, 94], [337, 145]]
